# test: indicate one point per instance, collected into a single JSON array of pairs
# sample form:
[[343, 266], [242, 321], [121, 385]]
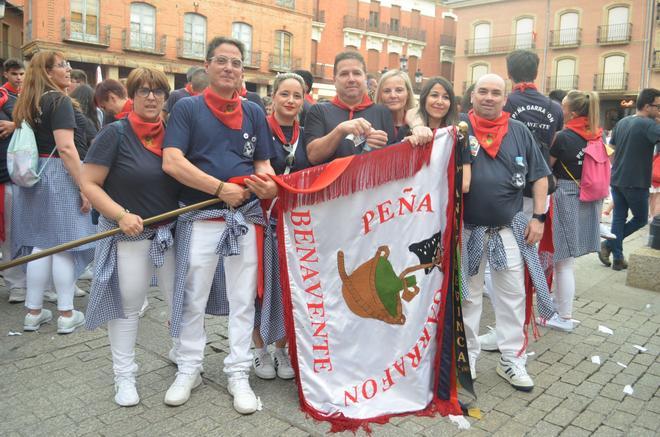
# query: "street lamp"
[[403, 62]]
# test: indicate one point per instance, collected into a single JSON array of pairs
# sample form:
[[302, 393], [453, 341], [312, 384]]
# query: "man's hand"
[[85, 205], [357, 126], [534, 231], [131, 224], [377, 139], [6, 128], [262, 185], [233, 195]]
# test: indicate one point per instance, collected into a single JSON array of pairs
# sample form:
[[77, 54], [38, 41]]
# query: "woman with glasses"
[[124, 180], [395, 91], [54, 210], [288, 138]]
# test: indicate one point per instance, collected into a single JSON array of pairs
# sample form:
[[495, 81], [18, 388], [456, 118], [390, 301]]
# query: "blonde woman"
[[395, 92]]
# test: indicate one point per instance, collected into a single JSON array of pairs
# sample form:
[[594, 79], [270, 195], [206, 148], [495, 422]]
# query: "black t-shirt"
[[135, 178], [174, 97], [57, 113], [303, 112], [568, 148], [5, 115], [322, 118], [542, 115], [278, 162], [634, 138], [256, 98], [493, 199], [84, 133], [400, 132]]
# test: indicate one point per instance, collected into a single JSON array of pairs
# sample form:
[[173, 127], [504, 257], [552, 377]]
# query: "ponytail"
[[585, 104]]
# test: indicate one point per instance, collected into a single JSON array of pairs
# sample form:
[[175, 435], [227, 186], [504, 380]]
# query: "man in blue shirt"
[[210, 139]]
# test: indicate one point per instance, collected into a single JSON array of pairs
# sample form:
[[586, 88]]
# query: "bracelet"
[[121, 215], [219, 189]]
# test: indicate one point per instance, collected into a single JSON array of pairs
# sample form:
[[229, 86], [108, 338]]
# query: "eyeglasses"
[[223, 60], [159, 93], [63, 64]]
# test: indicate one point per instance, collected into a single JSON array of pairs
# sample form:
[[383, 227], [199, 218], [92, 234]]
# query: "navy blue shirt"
[[634, 138], [213, 147], [542, 115], [300, 162]]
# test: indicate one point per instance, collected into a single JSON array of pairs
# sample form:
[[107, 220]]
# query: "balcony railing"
[[252, 60], [318, 16], [656, 59], [143, 42], [565, 82], [384, 28], [280, 63], [614, 34], [611, 82], [189, 49], [319, 70], [447, 40], [76, 32], [565, 38], [499, 44]]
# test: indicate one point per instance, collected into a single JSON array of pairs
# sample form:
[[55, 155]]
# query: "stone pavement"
[[62, 385]]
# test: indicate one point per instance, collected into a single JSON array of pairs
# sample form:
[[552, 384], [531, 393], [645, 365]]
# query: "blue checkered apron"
[[48, 214], [271, 322], [473, 250], [105, 297], [575, 224]]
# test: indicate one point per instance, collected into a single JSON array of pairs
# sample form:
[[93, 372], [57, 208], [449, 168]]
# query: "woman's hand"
[[85, 205], [262, 185], [131, 224]]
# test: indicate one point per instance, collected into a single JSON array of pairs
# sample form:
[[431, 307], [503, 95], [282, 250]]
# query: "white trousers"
[[241, 284], [508, 297], [565, 291], [58, 268], [134, 270], [15, 276]]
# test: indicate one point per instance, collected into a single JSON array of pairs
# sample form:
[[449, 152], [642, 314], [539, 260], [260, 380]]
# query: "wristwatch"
[[539, 217]]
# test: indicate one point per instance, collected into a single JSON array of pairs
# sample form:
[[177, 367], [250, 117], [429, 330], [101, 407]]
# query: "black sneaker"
[[604, 254]]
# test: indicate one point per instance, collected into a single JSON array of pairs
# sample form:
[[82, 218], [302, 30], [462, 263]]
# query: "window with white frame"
[[243, 33], [565, 74], [524, 33], [617, 24], [481, 38], [194, 35], [143, 26], [283, 45], [477, 71], [85, 20], [568, 28], [614, 75]]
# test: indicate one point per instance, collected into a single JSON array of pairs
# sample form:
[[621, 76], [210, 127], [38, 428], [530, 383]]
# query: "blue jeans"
[[637, 201]]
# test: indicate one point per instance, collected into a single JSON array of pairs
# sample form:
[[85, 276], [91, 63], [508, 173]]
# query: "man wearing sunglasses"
[[351, 123], [213, 140]]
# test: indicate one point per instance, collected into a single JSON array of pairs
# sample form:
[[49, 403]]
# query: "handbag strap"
[[569, 173]]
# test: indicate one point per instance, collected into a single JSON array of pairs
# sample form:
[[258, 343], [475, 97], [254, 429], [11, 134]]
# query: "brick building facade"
[[590, 45], [11, 31], [170, 36]]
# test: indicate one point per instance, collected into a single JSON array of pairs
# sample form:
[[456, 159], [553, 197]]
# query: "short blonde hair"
[[410, 101]]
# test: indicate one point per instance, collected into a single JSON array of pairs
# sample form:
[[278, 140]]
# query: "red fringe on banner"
[[345, 176]]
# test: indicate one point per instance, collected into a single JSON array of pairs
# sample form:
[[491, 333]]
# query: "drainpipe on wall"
[[545, 48]]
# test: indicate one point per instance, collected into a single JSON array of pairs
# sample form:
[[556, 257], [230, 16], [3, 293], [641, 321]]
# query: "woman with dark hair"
[[53, 211], [124, 180], [84, 95]]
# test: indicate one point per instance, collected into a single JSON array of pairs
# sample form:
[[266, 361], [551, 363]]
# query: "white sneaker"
[[263, 364], [87, 274], [126, 394], [488, 342], [17, 295], [606, 233], [66, 325], [557, 322], [50, 296], [32, 322], [515, 373], [283, 364], [79, 292], [179, 391], [245, 401]]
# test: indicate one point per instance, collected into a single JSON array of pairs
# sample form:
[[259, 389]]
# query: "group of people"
[[212, 140]]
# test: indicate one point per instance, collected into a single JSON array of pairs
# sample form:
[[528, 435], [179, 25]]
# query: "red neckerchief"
[[9, 87], [150, 134], [277, 130], [489, 133], [229, 112], [580, 125], [522, 86], [128, 107], [190, 90], [4, 96], [243, 92], [310, 99], [364, 104]]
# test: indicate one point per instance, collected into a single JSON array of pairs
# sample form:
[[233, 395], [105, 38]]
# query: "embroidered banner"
[[365, 246]]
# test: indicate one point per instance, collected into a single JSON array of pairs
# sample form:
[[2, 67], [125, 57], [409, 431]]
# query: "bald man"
[[504, 160]]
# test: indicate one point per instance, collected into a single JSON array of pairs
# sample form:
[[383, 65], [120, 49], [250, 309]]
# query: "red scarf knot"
[[128, 107], [190, 90], [489, 133], [580, 125], [522, 86], [277, 130], [151, 134], [228, 111], [364, 104], [9, 87]]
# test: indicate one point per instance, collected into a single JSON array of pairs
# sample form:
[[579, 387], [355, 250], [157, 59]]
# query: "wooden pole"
[[71, 244]]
